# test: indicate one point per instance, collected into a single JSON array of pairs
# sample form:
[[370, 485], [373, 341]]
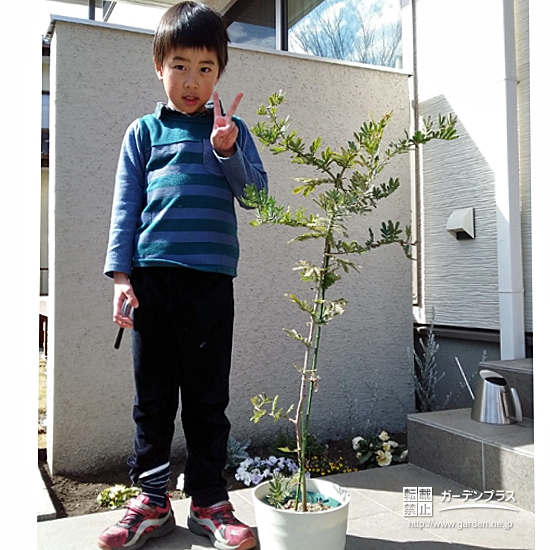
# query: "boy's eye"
[[205, 69], [179, 67]]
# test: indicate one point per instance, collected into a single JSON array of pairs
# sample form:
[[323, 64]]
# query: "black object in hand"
[[126, 309]]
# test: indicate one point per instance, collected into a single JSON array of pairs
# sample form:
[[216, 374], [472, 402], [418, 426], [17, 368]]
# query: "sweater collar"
[[163, 109]]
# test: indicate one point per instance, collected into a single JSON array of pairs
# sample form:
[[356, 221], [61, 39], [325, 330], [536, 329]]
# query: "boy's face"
[[189, 76]]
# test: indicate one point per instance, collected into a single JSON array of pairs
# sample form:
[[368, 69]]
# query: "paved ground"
[[376, 519]]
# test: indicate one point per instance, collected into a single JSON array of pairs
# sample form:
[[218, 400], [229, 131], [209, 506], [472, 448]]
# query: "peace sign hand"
[[224, 130]]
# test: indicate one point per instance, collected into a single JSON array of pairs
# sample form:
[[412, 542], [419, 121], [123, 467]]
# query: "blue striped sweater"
[[174, 197]]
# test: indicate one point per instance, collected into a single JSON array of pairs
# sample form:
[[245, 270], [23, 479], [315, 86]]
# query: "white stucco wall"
[[461, 69], [102, 79]]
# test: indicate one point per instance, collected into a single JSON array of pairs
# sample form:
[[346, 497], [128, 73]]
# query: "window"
[[364, 31], [253, 23]]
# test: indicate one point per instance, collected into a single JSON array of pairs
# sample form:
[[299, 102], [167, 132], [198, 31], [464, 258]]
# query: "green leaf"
[[330, 279], [315, 146], [302, 304], [293, 333], [260, 401], [287, 450], [281, 489]]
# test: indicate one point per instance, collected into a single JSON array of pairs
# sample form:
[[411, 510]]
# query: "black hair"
[[191, 25]]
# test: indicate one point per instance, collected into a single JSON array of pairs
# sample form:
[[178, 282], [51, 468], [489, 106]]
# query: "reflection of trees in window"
[[367, 31]]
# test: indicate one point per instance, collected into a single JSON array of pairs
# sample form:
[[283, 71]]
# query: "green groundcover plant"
[[117, 495], [347, 184]]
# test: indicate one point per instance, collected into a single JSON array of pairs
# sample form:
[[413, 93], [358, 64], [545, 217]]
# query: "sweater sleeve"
[[245, 166], [128, 203]]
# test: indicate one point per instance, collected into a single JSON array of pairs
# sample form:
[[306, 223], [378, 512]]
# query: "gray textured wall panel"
[[460, 276]]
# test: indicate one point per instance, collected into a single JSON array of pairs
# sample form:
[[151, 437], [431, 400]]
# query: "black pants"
[[182, 338]]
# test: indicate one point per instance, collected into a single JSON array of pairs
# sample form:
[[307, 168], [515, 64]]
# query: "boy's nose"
[[190, 80]]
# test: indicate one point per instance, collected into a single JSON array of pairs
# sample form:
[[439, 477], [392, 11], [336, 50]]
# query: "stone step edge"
[[525, 369], [45, 509], [473, 437]]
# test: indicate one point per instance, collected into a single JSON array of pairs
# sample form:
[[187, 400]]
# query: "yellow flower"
[[383, 458], [383, 436]]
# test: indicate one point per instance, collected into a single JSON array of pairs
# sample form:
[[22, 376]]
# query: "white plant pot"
[[290, 530]]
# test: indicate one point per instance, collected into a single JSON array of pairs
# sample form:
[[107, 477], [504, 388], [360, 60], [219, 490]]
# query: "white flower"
[[254, 470], [404, 454], [242, 475], [246, 463], [355, 442], [389, 445], [179, 482], [383, 458], [115, 490], [383, 436]]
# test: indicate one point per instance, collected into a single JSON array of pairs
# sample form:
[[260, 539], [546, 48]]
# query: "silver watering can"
[[495, 402]]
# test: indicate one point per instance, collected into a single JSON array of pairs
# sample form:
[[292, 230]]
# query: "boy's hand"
[[123, 290], [224, 131]]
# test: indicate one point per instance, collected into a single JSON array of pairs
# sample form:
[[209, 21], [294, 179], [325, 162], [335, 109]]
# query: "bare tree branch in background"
[[327, 33], [351, 31], [378, 44]]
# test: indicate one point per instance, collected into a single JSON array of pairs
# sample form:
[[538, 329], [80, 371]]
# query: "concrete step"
[[45, 509], [484, 457], [519, 375]]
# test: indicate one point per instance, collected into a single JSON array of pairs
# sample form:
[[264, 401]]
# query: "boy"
[[173, 254]]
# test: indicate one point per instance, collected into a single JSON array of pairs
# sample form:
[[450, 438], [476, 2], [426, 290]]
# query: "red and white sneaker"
[[141, 522], [226, 532]]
